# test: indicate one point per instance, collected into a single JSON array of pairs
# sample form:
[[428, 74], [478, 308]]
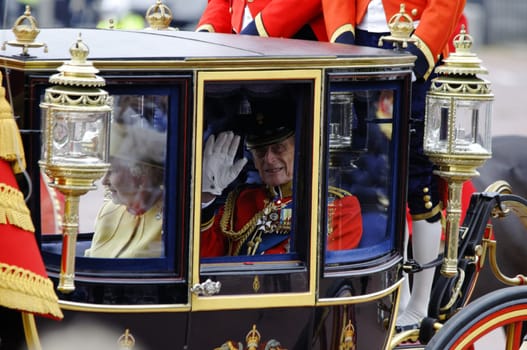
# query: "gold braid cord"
[[22, 289], [11, 147], [240, 236], [13, 209], [227, 219]]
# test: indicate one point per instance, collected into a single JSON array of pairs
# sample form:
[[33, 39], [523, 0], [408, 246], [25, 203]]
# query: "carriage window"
[[250, 163], [123, 216], [359, 132]]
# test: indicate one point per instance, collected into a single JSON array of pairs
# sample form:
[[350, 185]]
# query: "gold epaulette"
[[338, 192]]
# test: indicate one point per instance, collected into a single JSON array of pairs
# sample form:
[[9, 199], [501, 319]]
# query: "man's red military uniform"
[[271, 18], [256, 220], [433, 31]]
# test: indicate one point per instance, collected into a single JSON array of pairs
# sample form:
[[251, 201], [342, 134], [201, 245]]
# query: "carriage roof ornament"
[[26, 31], [401, 28], [159, 16]]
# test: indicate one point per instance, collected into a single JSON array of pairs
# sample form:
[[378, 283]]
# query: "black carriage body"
[[313, 297]]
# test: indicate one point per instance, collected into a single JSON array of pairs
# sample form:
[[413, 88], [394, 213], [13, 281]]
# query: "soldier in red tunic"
[[256, 219], [364, 22], [268, 18]]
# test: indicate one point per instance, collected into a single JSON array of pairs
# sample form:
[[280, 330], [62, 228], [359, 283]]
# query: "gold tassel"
[[11, 147]]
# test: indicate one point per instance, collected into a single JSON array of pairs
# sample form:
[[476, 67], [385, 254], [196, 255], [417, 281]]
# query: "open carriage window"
[[250, 158], [257, 179]]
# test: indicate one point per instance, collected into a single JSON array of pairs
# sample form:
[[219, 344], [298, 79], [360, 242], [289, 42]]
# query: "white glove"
[[219, 168]]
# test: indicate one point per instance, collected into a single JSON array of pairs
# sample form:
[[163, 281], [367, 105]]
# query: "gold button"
[[427, 198], [426, 190], [428, 205], [414, 12]]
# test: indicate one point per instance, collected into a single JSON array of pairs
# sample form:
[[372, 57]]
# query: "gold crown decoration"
[[347, 337], [159, 16], [126, 341], [253, 338], [26, 31], [401, 28]]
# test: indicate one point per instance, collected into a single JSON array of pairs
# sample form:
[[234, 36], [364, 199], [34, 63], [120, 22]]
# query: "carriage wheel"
[[505, 307]]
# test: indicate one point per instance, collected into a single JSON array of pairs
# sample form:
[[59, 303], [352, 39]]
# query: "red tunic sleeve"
[[216, 17]]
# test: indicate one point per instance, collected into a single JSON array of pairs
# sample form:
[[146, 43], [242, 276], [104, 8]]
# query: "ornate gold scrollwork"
[[518, 280]]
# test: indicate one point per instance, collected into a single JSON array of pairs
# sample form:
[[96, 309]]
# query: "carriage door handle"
[[206, 288]]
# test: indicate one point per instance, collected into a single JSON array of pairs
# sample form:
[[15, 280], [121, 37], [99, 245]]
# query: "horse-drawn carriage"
[[187, 86]]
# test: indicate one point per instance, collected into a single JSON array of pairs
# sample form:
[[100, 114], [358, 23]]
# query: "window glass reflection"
[[359, 133], [129, 223]]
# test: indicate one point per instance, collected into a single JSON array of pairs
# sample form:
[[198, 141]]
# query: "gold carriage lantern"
[[457, 134], [76, 121]]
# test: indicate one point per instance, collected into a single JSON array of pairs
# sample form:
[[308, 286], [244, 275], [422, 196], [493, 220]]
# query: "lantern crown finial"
[[463, 41], [463, 61], [79, 51], [78, 71]]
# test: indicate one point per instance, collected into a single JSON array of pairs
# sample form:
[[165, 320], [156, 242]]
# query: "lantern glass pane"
[[78, 137], [341, 119], [472, 127], [436, 132]]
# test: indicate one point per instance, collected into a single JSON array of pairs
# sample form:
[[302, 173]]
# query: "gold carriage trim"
[[22, 289], [11, 147], [13, 209]]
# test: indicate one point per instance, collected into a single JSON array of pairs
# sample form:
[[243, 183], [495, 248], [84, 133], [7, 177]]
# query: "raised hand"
[[219, 167]]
